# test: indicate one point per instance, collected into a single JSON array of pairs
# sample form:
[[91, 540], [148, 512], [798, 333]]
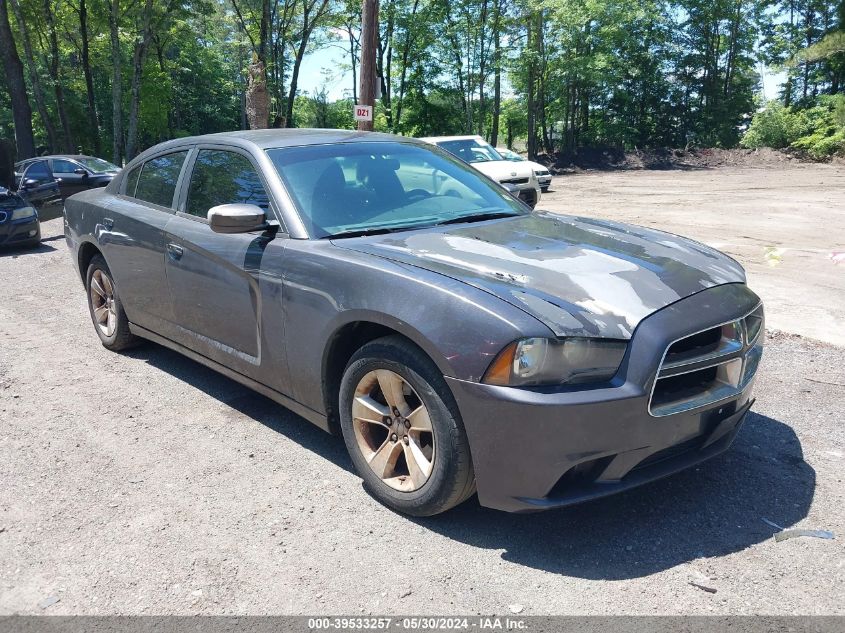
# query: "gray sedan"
[[459, 341]]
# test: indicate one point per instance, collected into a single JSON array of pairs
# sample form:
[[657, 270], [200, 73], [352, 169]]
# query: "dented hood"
[[581, 277]]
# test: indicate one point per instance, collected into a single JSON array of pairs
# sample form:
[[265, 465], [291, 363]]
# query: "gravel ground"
[[146, 484]]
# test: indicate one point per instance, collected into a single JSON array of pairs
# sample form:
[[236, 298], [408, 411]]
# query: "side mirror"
[[510, 188], [236, 218], [28, 183], [80, 172]]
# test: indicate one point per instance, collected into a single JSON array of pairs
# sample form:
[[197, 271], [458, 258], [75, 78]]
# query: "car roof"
[[437, 139], [273, 138], [67, 156]]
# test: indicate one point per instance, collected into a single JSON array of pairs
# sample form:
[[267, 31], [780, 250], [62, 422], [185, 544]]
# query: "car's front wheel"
[[403, 430], [106, 309]]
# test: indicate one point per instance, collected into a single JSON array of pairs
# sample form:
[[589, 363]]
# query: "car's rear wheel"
[[402, 429], [106, 309]]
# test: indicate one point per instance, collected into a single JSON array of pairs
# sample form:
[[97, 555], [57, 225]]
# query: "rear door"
[[132, 236], [40, 189], [216, 282]]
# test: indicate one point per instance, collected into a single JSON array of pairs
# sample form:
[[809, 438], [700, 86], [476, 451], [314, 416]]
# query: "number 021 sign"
[[363, 113]]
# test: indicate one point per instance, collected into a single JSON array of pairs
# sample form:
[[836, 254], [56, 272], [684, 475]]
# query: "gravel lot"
[[145, 483]]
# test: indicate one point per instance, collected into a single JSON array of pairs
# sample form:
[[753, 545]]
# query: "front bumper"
[[534, 449], [544, 181], [16, 232]]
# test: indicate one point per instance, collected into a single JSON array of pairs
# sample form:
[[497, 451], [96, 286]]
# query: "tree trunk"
[[21, 111], [35, 79], [116, 84], [257, 98], [532, 85], [497, 76], [93, 124], [353, 59], [308, 25], [138, 58], [406, 50], [54, 74]]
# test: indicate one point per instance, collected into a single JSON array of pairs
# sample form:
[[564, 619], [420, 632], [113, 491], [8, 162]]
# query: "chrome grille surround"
[[698, 375]]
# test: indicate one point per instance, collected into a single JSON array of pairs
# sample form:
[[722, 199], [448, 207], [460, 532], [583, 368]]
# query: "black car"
[[18, 221], [40, 188], [74, 172]]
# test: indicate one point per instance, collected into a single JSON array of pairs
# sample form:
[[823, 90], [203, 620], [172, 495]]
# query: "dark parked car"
[[379, 286], [74, 172], [18, 221], [40, 189]]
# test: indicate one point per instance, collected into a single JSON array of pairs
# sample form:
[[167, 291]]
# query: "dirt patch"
[[611, 159]]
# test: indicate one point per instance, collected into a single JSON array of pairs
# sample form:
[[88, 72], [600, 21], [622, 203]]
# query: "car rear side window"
[[158, 177], [221, 177], [132, 181]]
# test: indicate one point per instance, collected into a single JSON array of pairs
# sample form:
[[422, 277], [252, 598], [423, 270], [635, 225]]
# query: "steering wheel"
[[415, 195]]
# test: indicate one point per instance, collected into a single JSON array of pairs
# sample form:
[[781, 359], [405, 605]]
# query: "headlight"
[[23, 213], [542, 361]]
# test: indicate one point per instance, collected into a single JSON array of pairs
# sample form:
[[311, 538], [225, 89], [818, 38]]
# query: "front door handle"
[[108, 223], [174, 250]]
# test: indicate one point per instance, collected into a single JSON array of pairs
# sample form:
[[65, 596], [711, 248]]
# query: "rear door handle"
[[174, 250], [108, 223]]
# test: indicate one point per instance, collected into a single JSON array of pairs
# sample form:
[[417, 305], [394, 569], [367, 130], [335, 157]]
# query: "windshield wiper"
[[381, 230], [490, 215]]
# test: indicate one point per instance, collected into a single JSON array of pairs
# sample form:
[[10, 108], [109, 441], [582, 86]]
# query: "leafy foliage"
[[555, 75], [818, 131]]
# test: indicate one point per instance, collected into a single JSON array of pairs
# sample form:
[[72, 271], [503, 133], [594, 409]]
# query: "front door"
[[217, 288], [40, 189], [72, 176]]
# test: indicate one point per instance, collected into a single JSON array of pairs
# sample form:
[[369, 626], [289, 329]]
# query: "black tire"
[[452, 480], [121, 338]]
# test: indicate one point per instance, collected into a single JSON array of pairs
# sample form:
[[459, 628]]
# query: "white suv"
[[484, 157]]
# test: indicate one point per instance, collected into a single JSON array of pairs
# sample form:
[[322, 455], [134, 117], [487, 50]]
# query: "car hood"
[[579, 276], [504, 169]]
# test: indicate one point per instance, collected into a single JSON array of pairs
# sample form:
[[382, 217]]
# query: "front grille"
[[708, 366], [516, 181]]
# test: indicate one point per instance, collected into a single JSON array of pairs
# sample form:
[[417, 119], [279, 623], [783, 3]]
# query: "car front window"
[[384, 186], [222, 177]]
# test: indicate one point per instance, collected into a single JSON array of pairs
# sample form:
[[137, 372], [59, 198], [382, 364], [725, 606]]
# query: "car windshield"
[[358, 188], [98, 165], [471, 150]]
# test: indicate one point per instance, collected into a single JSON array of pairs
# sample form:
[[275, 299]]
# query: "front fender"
[[460, 327]]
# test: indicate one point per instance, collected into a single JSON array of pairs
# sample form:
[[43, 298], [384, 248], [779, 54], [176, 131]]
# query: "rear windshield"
[[471, 150]]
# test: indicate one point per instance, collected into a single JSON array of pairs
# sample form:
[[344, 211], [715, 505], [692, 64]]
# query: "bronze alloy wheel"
[[393, 430], [103, 302]]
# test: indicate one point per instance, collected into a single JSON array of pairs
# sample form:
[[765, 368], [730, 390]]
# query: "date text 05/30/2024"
[[480, 623]]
